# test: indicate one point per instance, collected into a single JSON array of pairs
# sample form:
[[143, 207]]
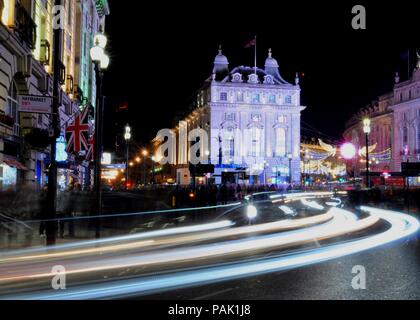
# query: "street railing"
[[18, 234]]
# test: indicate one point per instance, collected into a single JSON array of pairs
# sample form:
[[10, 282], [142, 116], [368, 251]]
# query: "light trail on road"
[[402, 226], [334, 223]]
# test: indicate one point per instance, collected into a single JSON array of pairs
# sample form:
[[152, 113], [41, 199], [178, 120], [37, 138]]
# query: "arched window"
[[280, 142], [405, 136]]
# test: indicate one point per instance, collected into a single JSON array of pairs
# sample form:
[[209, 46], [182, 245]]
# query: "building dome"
[[270, 62], [221, 66], [221, 59]]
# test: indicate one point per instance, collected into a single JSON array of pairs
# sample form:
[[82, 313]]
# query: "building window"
[[272, 98], [223, 96], [288, 100], [256, 98], [280, 142], [405, 136], [229, 116], [281, 119], [418, 139], [229, 145], [240, 97], [255, 142], [12, 104]]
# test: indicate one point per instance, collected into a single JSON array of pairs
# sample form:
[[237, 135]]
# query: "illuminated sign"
[[61, 154], [106, 158]]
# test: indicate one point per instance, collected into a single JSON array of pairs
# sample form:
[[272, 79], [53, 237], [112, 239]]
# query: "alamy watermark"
[[229, 145], [359, 280], [359, 20], [58, 281]]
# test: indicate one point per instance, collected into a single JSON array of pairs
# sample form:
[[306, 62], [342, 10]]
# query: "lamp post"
[[101, 61], [127, 137], [50, 213], [367, 130], [290, 157], [153, 169], [306, 164], [144, 153]]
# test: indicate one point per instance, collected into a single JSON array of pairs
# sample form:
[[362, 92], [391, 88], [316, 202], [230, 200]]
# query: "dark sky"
[[161, 54]]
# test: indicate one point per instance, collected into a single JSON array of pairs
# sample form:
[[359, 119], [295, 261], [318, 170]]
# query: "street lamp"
[[153, 169], [290, 157], [367, 130], [127, 138], [305, 163], [144, 153], [348, 152], [101, 61]]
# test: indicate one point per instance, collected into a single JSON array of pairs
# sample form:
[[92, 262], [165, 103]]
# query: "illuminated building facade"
[[406, 120], [26, 37], [252, 117], [381, 136], [395, 134]]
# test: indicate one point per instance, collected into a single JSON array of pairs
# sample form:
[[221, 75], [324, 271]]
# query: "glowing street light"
[[101, 61], [367, 130], [348, 151], [127, 138], [366, 126]]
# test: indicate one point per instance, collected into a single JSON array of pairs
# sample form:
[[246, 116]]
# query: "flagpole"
[[408, 65], [255, 61]]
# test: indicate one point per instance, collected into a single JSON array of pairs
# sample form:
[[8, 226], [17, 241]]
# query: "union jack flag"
[[77, 133]]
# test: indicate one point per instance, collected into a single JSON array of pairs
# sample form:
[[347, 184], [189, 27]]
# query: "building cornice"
[[259, 86]]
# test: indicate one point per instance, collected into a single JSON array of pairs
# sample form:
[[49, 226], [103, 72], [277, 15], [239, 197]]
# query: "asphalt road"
[[144, 263], [392, 272]]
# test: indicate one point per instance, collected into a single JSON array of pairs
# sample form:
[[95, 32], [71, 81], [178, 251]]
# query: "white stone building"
[[26, 37], [252, 117], [407, 120]]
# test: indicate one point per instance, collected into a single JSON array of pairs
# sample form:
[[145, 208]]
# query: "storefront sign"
[[35, 104]]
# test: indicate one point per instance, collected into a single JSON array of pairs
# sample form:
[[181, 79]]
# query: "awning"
[[15, 164]]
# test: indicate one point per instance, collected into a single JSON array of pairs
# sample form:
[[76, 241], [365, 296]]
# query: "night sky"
[[162, 54]]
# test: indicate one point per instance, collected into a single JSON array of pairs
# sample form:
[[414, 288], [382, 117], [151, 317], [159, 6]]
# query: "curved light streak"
[[340, 225], [402, 226], [158, 233]]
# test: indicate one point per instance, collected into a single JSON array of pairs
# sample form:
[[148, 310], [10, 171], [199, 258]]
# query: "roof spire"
[[220, 49], [269, 53], [297, 79], [418, 59], [397, 77]]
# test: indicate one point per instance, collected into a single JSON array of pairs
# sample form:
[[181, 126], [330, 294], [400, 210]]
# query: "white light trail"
[[340, 225], [312, 204], [112, 240], [286, 210], [402, 226]]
